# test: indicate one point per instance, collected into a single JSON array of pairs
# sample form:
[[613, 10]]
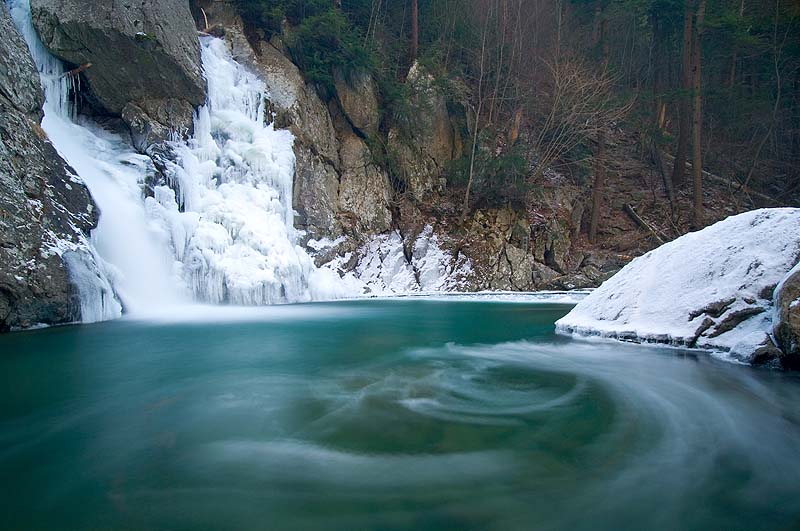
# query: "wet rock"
[[45, 212], [147, 121], [144, 53]]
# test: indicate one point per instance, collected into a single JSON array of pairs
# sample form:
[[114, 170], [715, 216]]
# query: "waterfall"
[[132, 256], [232, 220], [226, 236]]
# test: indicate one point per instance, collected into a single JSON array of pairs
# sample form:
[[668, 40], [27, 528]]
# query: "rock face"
[[787, 316], [45, 212], [710, 289], [144, 55], [358, 98], [430, 140]]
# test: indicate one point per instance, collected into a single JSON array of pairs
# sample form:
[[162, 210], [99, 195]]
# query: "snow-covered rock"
[[710, 289], [383, 266]]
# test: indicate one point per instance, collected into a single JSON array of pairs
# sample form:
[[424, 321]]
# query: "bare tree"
[[414, 30], [579, 105], [476, 126], [697, 119], [600, 158], [679, 167]]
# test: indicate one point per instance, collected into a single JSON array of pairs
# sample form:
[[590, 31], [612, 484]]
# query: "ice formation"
[[710, 289], [226, 237], [231, 222], [220, 229]]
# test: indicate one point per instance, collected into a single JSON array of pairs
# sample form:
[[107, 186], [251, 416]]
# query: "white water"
[[226, 238], [129, 252]]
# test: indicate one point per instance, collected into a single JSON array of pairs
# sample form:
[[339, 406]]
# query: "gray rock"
[[358, 98], [19, 80], [144, 52], [786, 320], [315, 194], [44, 211], [364, 189], [147, 120], [552, 244], [514, 271]]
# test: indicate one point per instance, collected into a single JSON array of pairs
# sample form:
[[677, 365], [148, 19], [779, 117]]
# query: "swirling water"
[[387, 414]]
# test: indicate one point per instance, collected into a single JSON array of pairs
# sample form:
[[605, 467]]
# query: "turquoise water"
[[386, 414]]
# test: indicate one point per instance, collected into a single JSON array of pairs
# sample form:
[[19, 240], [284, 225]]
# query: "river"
[[386, 414]]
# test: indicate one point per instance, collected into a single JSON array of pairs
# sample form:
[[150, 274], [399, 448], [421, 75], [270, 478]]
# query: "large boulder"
[[428, 140], [143, 53], [45, 211], [19, 79], [358, 98], [710, 289], [787, 316]]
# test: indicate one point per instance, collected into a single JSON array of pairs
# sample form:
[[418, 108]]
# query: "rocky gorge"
[[135, 68]]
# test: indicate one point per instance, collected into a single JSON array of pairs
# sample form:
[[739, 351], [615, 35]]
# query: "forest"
[[709, 88]]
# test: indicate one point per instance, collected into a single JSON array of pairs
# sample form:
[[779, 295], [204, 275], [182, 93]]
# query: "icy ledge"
[[711, 289]]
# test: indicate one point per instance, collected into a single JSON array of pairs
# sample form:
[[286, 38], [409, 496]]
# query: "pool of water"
[[386, 414]]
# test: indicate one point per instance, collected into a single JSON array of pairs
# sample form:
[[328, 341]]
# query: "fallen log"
[[642, 223]]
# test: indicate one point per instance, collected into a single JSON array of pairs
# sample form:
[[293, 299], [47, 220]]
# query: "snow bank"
[[709, 289]]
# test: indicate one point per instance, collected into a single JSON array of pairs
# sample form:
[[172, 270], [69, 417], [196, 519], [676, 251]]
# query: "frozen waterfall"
[[231, 224], [225, 237]]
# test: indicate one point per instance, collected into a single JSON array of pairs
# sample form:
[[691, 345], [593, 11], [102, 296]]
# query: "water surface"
[[404, 414]]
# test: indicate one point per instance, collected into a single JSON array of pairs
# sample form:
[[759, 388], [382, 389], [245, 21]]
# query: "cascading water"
[[131, 255], [226, 237]]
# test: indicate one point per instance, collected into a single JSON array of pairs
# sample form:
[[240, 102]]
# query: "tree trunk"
[[679, 168], [513, 135], [473, 153], [600, 170], [414, 30], [697, 120], [597, 188], [735, 54]]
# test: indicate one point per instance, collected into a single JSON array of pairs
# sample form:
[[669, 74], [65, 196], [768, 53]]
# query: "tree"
[[414, 30], [600, 162], [476, 125], [679, 168], [697, 117]]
